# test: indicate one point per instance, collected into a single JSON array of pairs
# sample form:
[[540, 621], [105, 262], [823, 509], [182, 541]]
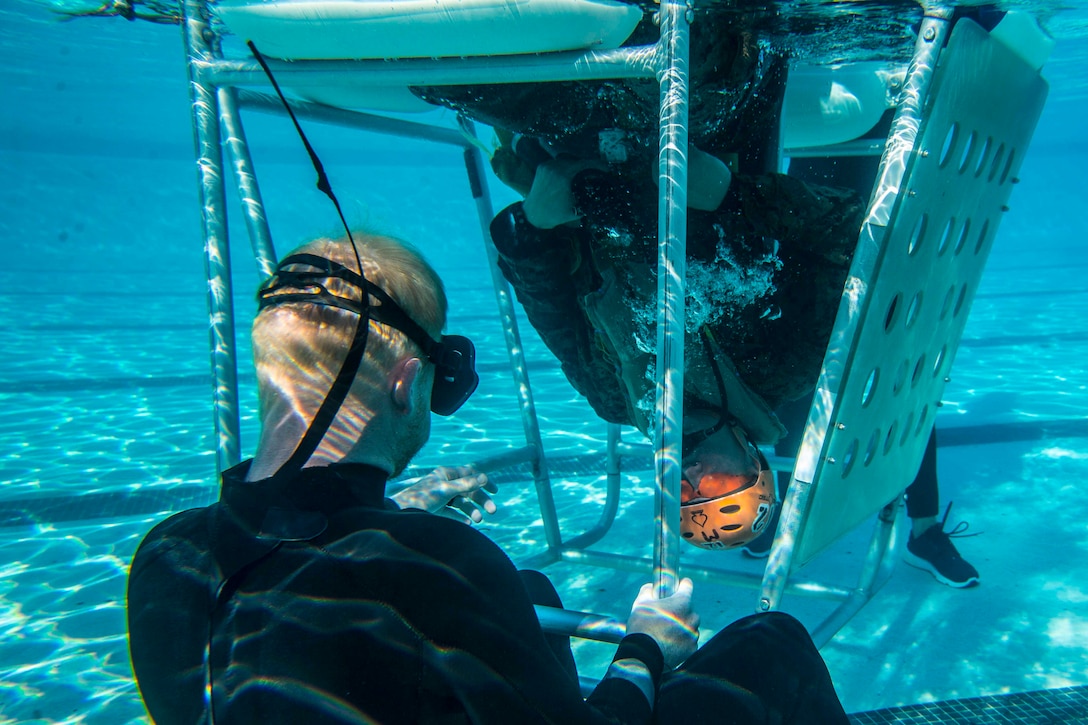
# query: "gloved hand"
[[669, 621]]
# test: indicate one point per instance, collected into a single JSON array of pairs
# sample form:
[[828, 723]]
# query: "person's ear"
[[405, 377]]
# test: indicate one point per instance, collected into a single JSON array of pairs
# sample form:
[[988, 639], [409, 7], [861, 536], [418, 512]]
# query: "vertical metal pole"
[[199, 36], [260, 236], [671, 269], [932, 36], [478, 181]]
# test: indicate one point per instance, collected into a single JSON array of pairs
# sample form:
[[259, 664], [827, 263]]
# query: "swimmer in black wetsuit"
[[305, 596]]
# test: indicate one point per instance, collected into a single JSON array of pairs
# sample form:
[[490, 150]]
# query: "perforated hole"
[[995, 165], [937, 361], [870, 387], [918, 234], [900, 378], [982, 236], [962, 238], [960, 300], [921, 426], [1008, 166], [913, 310], [949, 146], [889, 440], [850, 457], [947, 304], [730, 509], [968, 151], [946, 236], [870, 450], [889, 318], [908, 427], [983, 157], [918, 367]]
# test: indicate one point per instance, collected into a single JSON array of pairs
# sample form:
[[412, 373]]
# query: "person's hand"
[[671, 622], [459, 492], [550, 201]]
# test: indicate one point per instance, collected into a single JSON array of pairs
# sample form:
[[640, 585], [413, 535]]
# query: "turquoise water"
[[106, 420]]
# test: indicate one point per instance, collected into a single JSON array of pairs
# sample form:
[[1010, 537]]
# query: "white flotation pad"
[[827, 105], [375, 29]]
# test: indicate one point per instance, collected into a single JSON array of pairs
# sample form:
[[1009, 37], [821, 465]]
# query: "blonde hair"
[[298, 347]]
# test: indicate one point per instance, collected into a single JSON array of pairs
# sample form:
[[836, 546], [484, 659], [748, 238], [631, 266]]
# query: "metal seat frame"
[[832, 440]]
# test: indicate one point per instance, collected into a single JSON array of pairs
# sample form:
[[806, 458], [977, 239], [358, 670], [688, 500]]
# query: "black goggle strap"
[[448, 360], [350, 366], [388, 312], [323, 183], [338, 391]]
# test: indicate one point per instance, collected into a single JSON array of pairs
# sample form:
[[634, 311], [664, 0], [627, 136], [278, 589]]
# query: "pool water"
[[107, 428]]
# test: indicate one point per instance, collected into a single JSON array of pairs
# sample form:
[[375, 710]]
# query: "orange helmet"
[[728, 510]]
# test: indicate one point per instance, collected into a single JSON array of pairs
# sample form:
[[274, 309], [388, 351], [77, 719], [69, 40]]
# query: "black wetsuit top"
[[345, 609]]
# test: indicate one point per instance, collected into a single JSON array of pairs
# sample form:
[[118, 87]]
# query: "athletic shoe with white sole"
[[934, 552]]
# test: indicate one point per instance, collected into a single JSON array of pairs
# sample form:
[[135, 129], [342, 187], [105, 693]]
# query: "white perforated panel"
[[911, 286]]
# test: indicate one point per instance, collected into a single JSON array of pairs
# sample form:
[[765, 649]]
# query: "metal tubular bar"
[[875, 573], [260, 236], [631, 62], [711, 575], [932, 36], [580, 624], [869, 581], [474, 165], [776, 573], [506, 459], [823, 632], [266, 103], [858, 147], [195, 29], [611, 500], [671, 269]]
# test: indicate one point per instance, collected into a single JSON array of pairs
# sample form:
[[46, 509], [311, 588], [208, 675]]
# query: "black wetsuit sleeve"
[[502, 633], [643, 648], [168, 600]]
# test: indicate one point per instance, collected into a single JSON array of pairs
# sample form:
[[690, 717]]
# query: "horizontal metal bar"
[[827, 629], [781, 463], [635, 449], [709, 575], [580, 624], [858, 147], [507, 459], [266, 103], [633, 62]]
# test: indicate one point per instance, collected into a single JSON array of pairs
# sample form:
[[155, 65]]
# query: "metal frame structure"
[[216, 102], [217, 99]]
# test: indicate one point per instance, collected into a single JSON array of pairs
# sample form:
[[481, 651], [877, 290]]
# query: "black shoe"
[[934, 552]]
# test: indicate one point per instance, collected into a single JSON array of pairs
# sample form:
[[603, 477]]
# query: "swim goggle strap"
[[454, 356]]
